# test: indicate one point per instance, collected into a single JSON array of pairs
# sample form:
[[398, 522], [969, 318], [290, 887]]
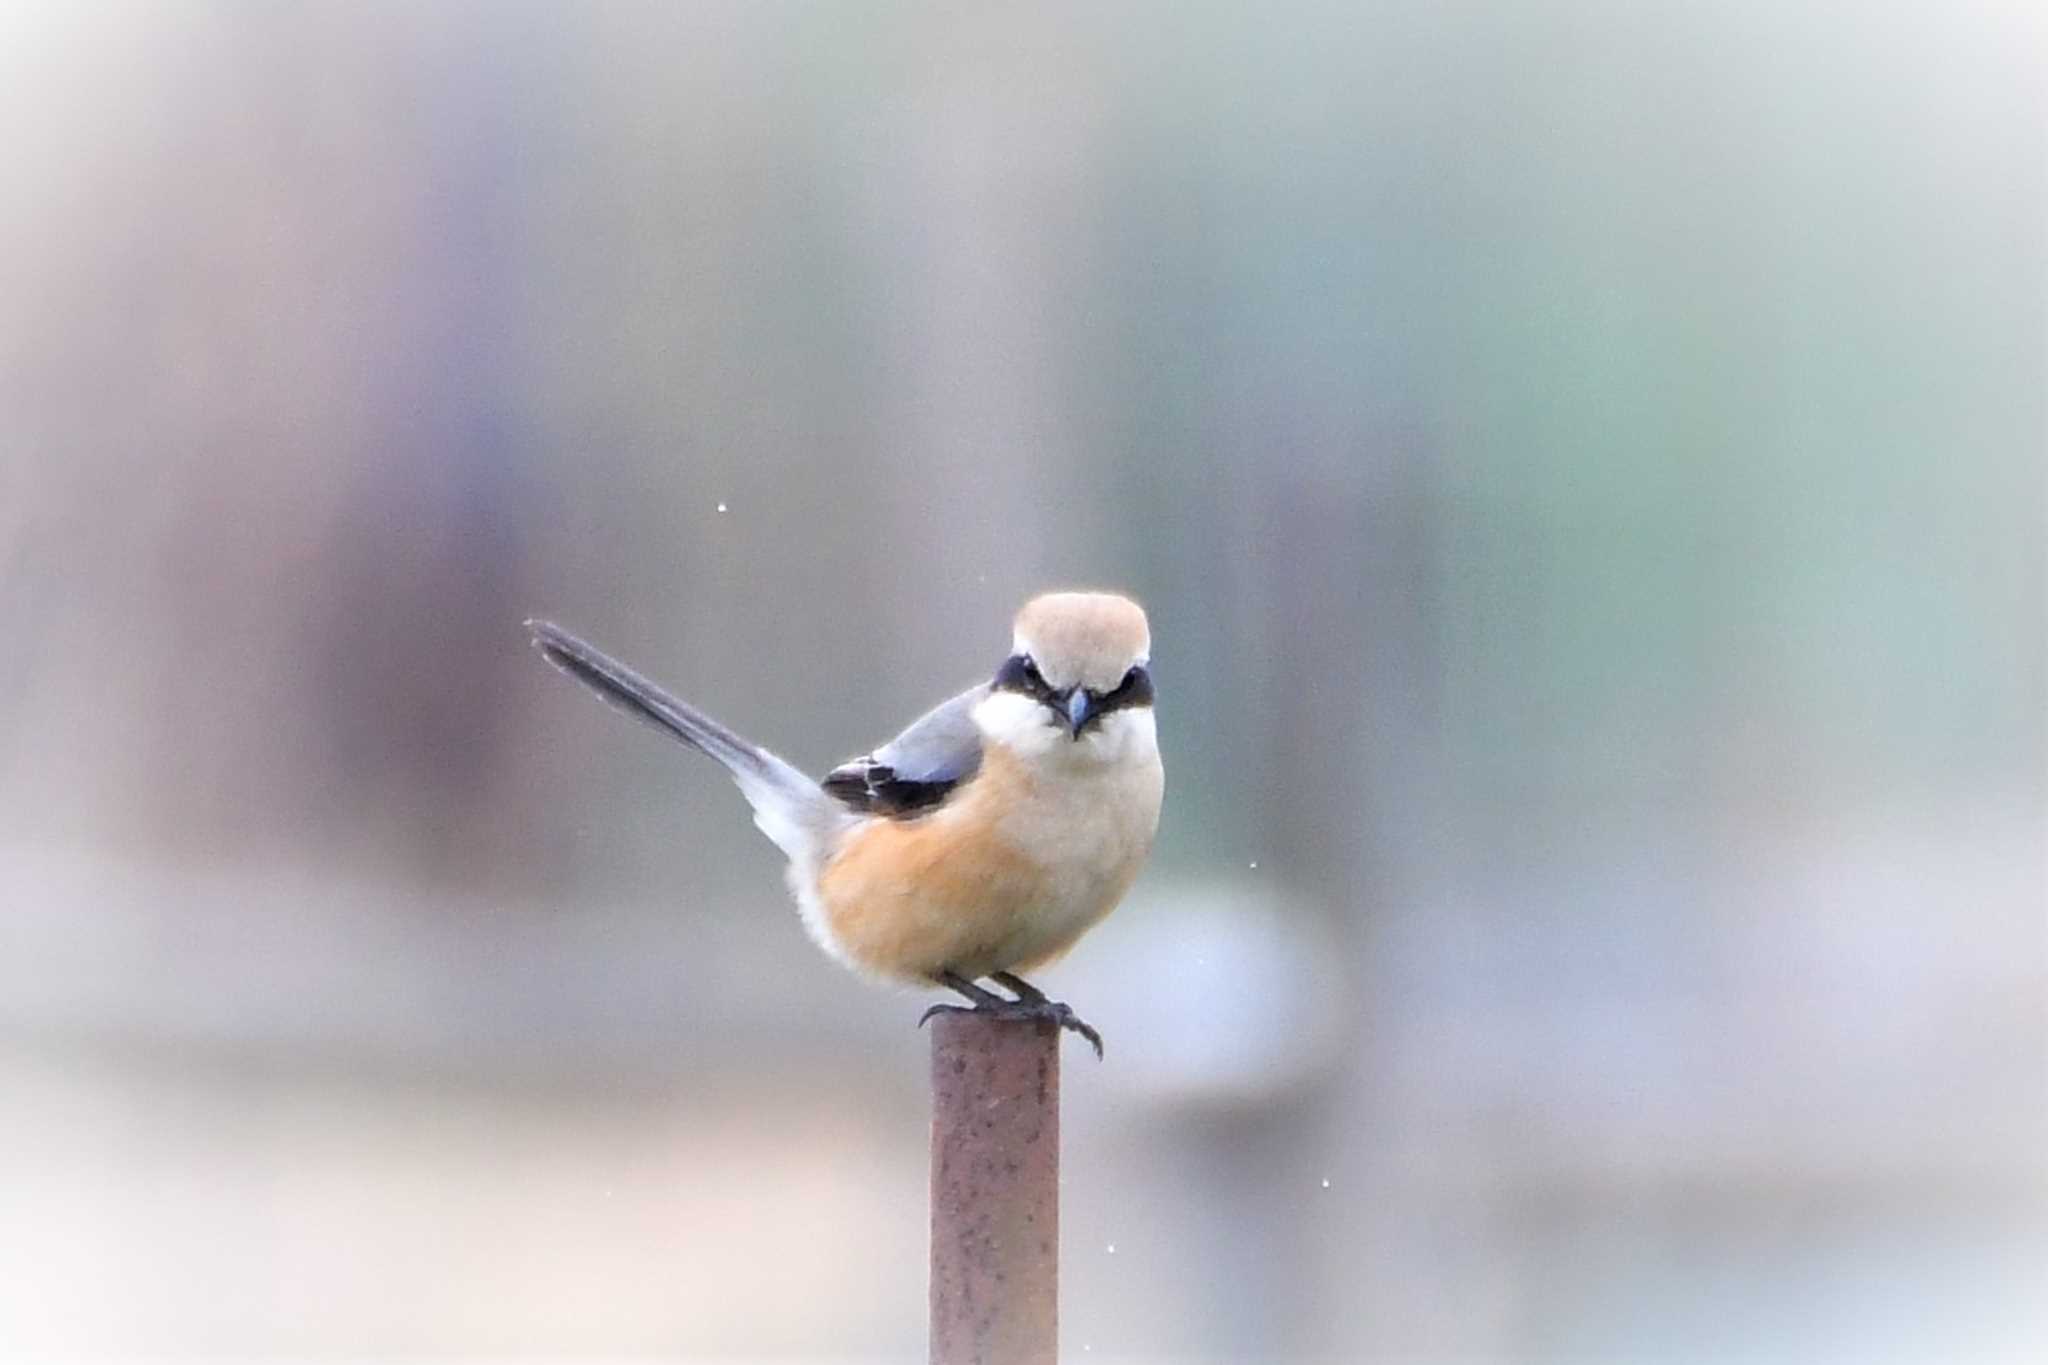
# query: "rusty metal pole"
[[995, 1190]]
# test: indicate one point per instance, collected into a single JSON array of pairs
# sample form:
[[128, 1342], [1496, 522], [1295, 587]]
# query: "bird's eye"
[[1019, 673], [1136, 688]]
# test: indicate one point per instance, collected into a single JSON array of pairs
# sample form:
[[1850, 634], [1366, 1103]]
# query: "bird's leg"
[[1031, 998], [983, 999], [1019, 987], [1031, 1003]]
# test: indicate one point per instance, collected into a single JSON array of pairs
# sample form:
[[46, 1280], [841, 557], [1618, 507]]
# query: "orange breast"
[[942, 892]]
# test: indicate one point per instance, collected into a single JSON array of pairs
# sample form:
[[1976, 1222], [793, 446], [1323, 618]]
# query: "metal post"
[[995, 1190]]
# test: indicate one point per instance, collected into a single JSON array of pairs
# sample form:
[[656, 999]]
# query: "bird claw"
[[925, 1018], [1064, 1017], [1049, 1011]]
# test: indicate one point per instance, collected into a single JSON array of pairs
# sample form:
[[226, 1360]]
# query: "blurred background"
[[1585, 466]]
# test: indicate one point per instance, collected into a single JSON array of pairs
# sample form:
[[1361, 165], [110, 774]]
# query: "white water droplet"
[[1112, 1248], [1326, 1182], [721, 507], [1255, 865]]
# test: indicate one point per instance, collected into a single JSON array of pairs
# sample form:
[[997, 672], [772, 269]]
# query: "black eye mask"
[[1020, 674]]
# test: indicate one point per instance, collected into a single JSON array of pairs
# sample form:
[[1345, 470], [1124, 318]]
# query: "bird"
[[985, 839]]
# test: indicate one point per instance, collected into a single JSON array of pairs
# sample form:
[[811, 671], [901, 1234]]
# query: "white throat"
[[1028, 730]]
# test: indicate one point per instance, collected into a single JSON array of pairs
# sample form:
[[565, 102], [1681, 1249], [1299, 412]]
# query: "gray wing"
[[919, 768]]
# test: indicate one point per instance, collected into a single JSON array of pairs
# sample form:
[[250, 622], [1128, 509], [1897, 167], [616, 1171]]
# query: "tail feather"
[[791, 808]]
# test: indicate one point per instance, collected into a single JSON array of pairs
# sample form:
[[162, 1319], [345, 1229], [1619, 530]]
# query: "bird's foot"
[[1052, 1011], [1031, 1003]]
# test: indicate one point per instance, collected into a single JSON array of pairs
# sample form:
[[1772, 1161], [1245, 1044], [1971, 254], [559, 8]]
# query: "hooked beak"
[[1076, 709]]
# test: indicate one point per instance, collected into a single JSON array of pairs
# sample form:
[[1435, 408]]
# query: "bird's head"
[[1077, 677]]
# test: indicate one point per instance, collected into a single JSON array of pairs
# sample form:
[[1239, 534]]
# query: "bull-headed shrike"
[[983, 840]]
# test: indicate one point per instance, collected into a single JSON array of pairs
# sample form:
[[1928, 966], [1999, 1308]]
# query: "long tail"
[[791, 808]]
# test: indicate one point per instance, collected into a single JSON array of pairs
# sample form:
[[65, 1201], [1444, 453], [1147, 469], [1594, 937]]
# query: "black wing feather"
[[871, 787]]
